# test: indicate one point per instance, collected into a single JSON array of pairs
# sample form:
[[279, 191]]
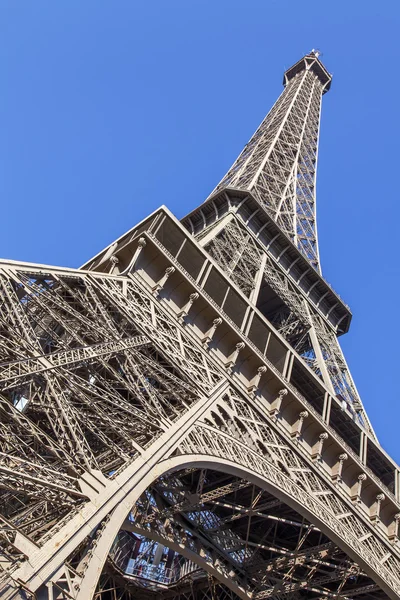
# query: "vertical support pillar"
[[247, 317], [258, 280], [247, 322], [287, 372], [326, 411], [319, 356], [363, 447], [397, 484], [204, 273], [286, 363], [156, 226]]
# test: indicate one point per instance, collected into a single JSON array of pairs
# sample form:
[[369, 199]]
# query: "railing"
[[160, 574], [147, 574], [335, 435]]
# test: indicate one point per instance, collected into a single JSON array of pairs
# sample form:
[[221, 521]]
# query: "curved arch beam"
[[271, 480]]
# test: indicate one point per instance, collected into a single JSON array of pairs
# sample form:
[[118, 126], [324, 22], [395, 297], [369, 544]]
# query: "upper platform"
[[311, 62]]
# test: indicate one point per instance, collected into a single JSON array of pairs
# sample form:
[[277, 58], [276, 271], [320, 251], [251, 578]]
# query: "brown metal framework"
[[177, 417]]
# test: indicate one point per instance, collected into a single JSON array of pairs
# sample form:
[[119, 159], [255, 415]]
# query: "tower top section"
[[310, 62], [278, 165]]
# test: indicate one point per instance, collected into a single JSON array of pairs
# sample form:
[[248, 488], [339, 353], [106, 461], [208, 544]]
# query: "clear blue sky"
[[111, 108]]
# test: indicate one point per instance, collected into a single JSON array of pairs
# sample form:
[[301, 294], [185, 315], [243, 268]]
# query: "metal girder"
[[278, 165], [178, 420]]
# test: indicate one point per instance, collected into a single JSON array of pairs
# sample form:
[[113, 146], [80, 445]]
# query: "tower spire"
[[278, 165]]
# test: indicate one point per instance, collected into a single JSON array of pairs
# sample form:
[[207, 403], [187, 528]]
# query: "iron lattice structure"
[[278, 165], [177, 417]]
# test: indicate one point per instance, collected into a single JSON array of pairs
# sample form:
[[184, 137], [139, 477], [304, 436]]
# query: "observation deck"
[[310, 62]]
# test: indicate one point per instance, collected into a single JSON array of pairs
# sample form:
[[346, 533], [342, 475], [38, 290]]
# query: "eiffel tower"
[[177, 417]]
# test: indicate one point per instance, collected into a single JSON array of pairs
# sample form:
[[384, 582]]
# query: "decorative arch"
[[263, 474]]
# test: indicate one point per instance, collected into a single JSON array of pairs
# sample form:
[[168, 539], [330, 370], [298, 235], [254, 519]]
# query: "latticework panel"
[[278, 165], [82, 390], [181, 422]]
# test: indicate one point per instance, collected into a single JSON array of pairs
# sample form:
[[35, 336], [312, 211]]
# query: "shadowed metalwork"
[[177, 417]]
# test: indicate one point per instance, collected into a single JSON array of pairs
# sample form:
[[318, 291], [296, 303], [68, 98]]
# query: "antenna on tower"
[[317, 53]]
